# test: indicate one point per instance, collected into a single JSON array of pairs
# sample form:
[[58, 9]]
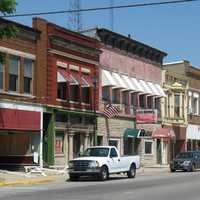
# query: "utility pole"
[[74, 18]]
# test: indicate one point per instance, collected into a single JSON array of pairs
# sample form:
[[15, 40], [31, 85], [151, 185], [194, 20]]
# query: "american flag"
[[111, 111]]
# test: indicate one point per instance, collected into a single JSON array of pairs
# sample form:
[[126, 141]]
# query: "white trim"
[[175, 62], [72, 56], [152, 147], [17, 53], [74, 67], [85, 70], [190, 93], [20, 106], [61, 64], [196, 95]]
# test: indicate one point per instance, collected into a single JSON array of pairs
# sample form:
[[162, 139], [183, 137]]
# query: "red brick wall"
[[131, 66]]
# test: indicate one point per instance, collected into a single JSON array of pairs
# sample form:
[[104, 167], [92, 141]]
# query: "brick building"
[[21, 125], [130, 79], [69, 77]]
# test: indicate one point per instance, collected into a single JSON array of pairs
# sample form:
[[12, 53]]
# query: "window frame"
[[152, 150]]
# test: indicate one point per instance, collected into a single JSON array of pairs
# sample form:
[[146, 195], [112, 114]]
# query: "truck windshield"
[[96, 152], [185, 155]]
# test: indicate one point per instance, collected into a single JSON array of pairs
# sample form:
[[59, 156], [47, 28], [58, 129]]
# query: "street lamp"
[[95, 81]]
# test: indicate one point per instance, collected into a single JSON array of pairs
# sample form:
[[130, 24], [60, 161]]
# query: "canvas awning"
[[137, 85], [161, 91], [129, 83], [145, 87], [131, 133], [107, 79], [120, 82], [163, 133], [153, 89]]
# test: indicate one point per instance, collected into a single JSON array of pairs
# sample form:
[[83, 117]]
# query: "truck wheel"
[[192, 168], [73, 177], [104, 174], [132, 171]]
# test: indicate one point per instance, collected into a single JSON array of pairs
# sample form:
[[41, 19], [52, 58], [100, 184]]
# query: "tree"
[[7, 7]]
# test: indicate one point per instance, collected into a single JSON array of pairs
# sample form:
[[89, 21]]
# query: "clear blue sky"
[[174, 29]]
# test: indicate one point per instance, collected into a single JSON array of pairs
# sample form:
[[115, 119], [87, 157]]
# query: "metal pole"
[[41, 139], [95, 117]]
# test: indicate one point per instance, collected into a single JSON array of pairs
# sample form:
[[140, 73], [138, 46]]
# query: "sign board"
[[146, 116]]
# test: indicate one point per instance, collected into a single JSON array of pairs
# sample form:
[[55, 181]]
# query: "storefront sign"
[[20, 120], [146, 116]]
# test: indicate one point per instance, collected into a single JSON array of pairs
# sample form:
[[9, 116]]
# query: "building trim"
[[17, 53], [60, 53]]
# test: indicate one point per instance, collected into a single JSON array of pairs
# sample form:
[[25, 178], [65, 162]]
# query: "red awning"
[[86, 81], [20, 120], [163, 133]]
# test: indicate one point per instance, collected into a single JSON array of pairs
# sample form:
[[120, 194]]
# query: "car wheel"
[[172, 170], [104, 174], [192, 168], [73, 177], [132, 171]]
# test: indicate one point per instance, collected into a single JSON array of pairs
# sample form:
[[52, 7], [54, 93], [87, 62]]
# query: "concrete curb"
[[26, 182]]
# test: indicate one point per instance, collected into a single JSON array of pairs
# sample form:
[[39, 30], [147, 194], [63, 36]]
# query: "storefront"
[[193, 137], [21, 134]]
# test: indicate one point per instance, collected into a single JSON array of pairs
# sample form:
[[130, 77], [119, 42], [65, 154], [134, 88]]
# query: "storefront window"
[[59, 143], [148, 147]]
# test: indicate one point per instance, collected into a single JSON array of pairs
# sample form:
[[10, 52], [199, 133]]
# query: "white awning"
[[60, 78], [129, 83], [153, 88], [120, 82], [107, 79], [160, 90], [193, 132], [145, 86], [137, 85]]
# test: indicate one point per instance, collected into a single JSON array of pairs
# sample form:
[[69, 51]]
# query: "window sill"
[[17, 94], [86, 104], [74, 102]]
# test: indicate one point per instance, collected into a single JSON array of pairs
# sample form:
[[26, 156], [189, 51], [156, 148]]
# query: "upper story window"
[[177, 105], [1, 75], [86, 95], [28, 75], [74, 93], [106, 93], [61, 84], [14, 73], [125, 98], [196, 103], [115, 96], [142, 100]]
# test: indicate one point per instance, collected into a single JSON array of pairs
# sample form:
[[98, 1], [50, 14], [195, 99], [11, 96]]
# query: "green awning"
[[131, 133]]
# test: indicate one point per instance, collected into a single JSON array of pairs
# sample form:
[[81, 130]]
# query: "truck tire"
[[73, 177], [172, 170], [132, 171], [104, 174]]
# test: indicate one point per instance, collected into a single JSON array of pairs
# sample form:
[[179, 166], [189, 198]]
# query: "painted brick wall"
[[129, 65]]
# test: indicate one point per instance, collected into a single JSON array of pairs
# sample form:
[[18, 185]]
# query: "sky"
[[174, 29]]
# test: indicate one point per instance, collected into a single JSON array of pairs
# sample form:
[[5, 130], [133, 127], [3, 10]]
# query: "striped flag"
[[111, 111]]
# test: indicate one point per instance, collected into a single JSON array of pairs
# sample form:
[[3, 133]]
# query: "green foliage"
[[7, 6]]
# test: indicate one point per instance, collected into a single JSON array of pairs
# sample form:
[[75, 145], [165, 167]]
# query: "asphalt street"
[[176, 186]]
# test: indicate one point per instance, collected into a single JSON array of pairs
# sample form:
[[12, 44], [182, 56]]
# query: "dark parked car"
[[186, 161]]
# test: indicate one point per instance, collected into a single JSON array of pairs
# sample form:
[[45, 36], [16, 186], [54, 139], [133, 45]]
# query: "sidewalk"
[[9, 178]]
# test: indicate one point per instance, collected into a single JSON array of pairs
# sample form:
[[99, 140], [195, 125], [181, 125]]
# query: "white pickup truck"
[[103, 161]]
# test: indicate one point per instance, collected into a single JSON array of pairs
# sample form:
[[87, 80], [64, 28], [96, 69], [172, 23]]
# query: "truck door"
[[114, 160]]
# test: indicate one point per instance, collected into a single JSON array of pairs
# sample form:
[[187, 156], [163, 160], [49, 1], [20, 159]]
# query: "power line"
[[101, 8]]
